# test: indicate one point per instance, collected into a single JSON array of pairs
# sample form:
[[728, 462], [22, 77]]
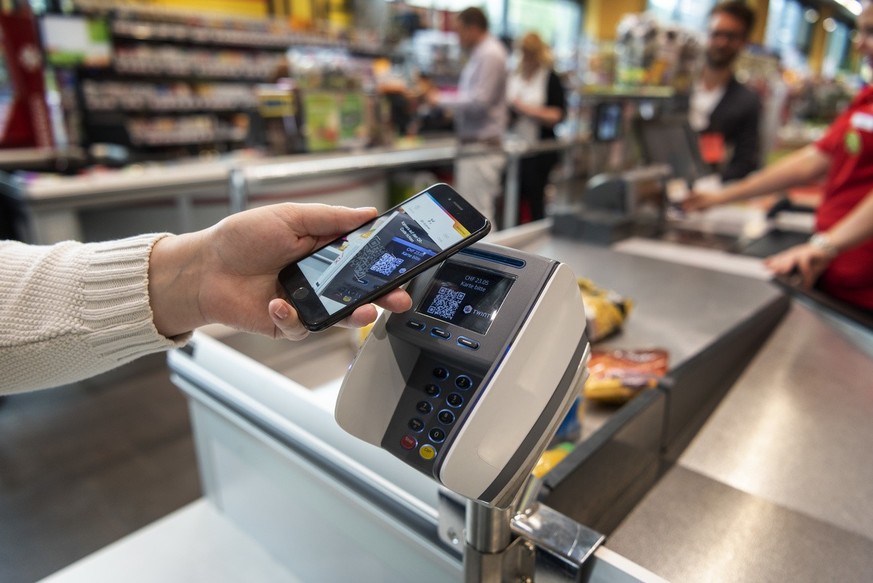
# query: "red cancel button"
[[408, 442]]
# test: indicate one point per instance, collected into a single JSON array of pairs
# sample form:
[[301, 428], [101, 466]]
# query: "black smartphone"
[[328, 284]]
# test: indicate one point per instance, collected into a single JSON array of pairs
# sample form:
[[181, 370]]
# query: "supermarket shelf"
[[193, 66], [257, 35], [164, 97], [182, 138], [168, 107]]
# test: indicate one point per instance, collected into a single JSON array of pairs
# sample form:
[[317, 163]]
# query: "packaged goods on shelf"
[[653, 53], [195, 129], [178, 96], [181, 78], [172, 60]]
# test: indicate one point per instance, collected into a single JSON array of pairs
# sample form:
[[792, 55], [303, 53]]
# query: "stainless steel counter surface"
[[677, 307], [777, 484]]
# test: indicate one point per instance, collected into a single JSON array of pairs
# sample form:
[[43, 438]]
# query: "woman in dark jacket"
[[536, 100]]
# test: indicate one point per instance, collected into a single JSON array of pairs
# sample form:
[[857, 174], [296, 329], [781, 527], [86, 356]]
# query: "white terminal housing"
[[471, 384]]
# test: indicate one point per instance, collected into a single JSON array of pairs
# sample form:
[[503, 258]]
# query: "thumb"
[[321, 220]]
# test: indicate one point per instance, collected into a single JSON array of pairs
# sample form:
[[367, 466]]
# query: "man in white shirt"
[[723, 111], [480, 111]]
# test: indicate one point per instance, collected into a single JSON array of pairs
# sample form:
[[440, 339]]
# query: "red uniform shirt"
[[849, 144]]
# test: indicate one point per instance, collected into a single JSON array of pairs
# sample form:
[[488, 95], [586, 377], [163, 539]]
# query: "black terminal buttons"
[[467, 343], [440, 333], [429, 414], [415, 325], [446, 417], [455, 400]]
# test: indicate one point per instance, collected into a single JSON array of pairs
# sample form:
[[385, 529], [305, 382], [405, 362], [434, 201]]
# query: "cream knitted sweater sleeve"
[[73, 310]]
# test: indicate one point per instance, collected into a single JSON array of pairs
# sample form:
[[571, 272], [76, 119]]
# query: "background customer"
[[725, 113], [537, 104], [479, 110]]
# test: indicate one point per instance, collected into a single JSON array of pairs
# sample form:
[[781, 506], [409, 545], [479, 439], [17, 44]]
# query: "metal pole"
[[510, 198], [488, 528], [238, 191]]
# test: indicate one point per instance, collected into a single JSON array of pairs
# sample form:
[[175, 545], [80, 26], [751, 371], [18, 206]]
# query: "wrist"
[[727, 195], [175, 274], [823, 242]]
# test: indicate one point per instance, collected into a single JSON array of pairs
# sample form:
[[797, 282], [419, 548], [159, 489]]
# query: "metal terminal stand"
[[491, 553], [524, 543]]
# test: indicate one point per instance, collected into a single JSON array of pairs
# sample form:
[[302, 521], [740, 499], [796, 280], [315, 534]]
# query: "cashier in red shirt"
[[839, 257]]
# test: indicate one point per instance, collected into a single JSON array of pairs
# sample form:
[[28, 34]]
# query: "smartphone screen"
[[327, 285]]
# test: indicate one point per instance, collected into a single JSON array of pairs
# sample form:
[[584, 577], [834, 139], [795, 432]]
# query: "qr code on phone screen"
[[445, 303], [386, 264]]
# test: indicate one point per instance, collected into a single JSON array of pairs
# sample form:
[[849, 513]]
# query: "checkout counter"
[[748, 463]]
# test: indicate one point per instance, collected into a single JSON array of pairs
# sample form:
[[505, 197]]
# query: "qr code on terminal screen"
[[445, 303], [386, 264]]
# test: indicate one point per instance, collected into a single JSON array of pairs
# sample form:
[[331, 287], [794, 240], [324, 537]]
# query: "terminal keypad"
[[435, 397]]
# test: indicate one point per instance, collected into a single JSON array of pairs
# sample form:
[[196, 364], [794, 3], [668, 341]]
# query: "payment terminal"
[[470, 385]]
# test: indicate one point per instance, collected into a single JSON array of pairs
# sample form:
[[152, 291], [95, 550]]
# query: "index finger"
[[394, 301], [397, 300]]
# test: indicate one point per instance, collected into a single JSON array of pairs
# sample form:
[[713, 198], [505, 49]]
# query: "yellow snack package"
[[605, 310]]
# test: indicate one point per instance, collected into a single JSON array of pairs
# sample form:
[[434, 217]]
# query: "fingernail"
[[281, 312], [366, 208]]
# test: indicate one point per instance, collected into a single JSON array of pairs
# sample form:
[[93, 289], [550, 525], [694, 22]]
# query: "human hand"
[[521, 108], [228, 273], [432, 96], [697, 201], [809, 261]]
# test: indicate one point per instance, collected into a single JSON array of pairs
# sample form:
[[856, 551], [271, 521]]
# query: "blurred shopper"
[[723, 111], [839, 257], [536, 104], [73, 310], [479, 109]]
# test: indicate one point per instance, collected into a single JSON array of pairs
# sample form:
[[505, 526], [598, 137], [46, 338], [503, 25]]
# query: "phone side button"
[[415, 325], [439, 332], [471, 344]]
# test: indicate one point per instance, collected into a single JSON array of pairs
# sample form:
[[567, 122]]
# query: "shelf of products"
[[265, 35], [168, 60], [166, 97], [189, 130], [174, 81]]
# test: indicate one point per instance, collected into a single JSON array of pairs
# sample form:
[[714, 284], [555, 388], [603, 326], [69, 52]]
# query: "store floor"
[[84, 465]]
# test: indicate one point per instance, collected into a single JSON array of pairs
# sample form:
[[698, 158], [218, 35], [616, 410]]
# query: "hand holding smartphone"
[[328, 285]]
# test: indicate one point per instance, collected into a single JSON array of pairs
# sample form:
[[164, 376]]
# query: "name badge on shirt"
[[862, 121]]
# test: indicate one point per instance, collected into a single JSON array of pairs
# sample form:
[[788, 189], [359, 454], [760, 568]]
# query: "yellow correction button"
[[427, 452]]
